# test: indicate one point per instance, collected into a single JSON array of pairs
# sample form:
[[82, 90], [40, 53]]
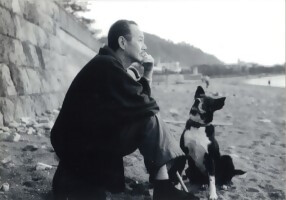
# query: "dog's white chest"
[[197, 143]]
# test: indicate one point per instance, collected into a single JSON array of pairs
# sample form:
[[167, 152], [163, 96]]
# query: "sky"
[[248, 30]]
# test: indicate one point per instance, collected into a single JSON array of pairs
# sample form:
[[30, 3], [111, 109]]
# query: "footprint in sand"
[[252, 190], [253, 180]]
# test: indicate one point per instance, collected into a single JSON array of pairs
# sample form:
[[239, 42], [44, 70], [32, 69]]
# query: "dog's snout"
[[197, 102]]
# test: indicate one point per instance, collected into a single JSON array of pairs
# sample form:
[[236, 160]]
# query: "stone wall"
[[41, 49]]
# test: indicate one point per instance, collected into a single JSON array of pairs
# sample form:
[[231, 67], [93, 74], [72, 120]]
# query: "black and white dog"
[[206, 165]]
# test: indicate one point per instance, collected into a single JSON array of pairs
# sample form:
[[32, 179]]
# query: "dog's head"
[[204, 107], [225, 171]]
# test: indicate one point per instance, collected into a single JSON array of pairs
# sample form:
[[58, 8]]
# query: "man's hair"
[[119, 28]]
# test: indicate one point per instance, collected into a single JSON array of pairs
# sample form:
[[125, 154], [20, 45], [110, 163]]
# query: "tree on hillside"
[[76, 8]]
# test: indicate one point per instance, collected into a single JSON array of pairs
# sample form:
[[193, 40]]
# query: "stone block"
[[4, 52], [6, 84], [42, 37], [6, 4], [30, 11], [25, 30], [34, 81], [27, 80], [16, 53], [53, 10], [21, 80], [35, 12], [31, 55], [1, 119], [15, 5], [57, 45], [7, 109], [7, 26], [53, 60], [12, 51], [29, 32], [24, 107]]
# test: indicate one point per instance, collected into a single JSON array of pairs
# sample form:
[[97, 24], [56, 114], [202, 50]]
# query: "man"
[[108, 112]]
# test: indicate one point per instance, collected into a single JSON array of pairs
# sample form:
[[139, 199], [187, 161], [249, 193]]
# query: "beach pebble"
[[215, 94], [30, 147], [4, 128], [27, 121], [224, 187], [13, 125], [275, 195], [43, 166], [31, 131], [21, 130], [265, 120], [5, 187], [252, 190], [6, 160], [48, 126], [28, 184], [43, 120], [174, 112], [4, 136], [14, 137], [55, 111]]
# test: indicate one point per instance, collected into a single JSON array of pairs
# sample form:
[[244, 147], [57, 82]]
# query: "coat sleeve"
[[128, 97]]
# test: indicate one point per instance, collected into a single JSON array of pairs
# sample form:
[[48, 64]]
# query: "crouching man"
[[107, 113]]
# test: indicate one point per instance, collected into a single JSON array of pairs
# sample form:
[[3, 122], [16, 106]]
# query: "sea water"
[[275, 81]]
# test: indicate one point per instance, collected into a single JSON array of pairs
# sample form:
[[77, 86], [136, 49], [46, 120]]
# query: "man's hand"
[[148, 63]]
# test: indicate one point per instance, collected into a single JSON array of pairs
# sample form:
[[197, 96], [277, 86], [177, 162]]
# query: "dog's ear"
[[219, 103], [239, 172], [200, 91]]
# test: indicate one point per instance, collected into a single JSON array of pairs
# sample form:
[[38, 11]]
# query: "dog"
[[206, 165]]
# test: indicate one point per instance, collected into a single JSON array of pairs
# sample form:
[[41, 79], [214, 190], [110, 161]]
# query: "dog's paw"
[[213, 196], [225, 187]]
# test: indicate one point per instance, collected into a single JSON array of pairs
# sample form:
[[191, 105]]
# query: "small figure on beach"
[[108, 113], [206, 80], [269, 82]]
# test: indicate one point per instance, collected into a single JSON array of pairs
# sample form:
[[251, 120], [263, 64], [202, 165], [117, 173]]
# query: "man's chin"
[[138, 60]]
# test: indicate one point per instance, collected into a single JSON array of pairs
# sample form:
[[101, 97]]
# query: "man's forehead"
[[135, 31]]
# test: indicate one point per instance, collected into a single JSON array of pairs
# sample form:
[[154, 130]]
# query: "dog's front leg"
[[211, 171], [213, 195]]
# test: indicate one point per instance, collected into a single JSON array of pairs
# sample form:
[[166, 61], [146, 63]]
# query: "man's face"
[[136, 48]]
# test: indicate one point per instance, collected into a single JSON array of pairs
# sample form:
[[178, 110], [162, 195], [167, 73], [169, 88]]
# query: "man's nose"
[[144, 47]]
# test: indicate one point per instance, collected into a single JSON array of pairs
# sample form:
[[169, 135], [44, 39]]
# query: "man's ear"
[[121, 42], [200, 91]]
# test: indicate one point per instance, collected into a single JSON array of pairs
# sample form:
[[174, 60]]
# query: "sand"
[[253, 134]]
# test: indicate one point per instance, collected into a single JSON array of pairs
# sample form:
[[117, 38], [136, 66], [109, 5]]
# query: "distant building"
[[169, 66], [195, 70], [244, 64]]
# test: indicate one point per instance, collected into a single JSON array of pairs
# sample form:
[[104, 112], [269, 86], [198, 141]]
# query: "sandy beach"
[[252, 132]]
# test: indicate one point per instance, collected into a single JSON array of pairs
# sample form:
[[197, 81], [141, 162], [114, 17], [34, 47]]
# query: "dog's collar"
[[190, 123]]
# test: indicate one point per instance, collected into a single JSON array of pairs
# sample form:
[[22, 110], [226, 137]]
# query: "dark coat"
[[102, 99]]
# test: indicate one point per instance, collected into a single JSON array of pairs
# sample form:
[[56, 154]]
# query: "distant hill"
[[168, 51], [186, 54]]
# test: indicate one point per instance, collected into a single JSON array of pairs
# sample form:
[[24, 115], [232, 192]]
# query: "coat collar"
[[107, 51]]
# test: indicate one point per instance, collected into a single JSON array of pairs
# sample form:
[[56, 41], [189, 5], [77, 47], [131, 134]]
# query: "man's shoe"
[[165, 190]]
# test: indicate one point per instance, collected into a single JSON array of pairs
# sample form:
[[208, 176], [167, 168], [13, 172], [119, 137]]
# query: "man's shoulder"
[[105, 59]]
